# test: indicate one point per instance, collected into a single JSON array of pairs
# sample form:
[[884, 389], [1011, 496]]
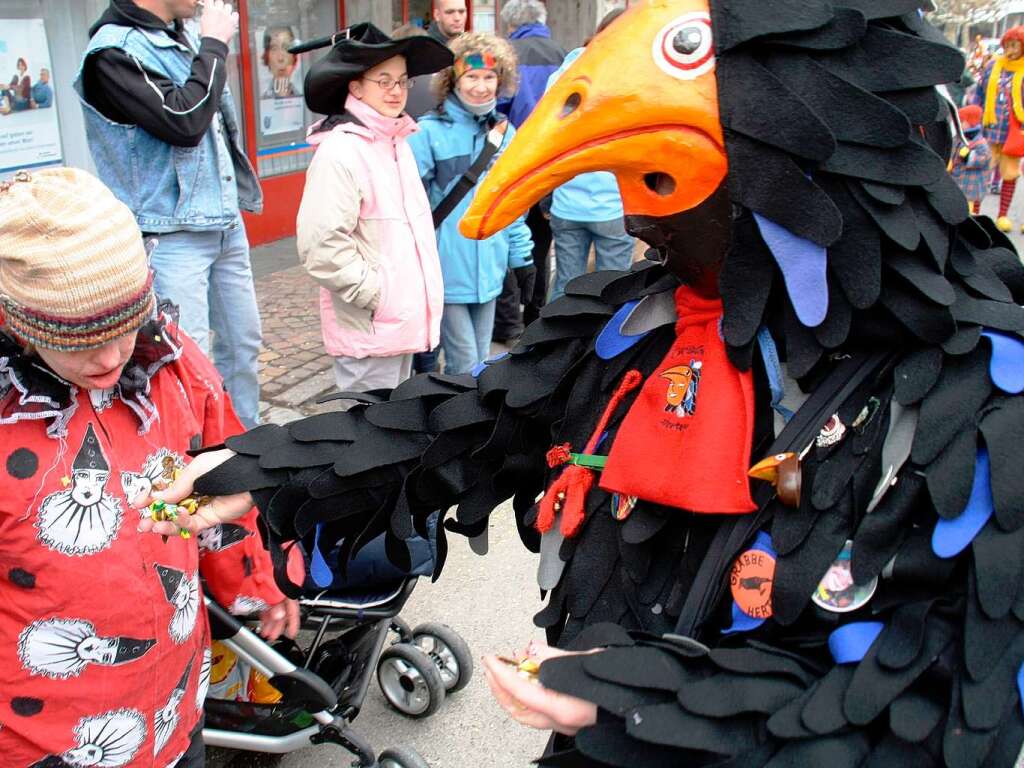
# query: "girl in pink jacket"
[[365, 232]]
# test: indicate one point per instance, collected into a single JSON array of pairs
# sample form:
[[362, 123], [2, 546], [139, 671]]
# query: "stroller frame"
[[331, 710]]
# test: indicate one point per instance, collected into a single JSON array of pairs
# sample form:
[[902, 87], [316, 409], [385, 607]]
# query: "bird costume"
[[818, 309]]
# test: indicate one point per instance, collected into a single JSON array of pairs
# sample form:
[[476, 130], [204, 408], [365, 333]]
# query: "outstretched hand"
[[215, 510], [530, 703]]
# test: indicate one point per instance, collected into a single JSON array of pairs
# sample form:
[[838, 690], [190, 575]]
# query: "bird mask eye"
[[684, 48]]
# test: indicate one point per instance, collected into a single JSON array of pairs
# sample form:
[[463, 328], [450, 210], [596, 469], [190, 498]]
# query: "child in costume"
[[999, 94], [972, 162], [364, 227], [451, 139], [104, 647]]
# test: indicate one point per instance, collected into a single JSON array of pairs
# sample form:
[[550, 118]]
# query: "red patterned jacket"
[[104, 647]]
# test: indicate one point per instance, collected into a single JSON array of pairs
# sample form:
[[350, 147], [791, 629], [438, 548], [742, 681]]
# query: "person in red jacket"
[[104, 644]]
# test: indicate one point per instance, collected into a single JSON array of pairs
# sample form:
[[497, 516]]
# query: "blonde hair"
[[480, 42]]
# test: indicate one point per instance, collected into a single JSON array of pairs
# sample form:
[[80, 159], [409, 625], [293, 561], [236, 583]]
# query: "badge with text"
[[836, 592], [751, 581]]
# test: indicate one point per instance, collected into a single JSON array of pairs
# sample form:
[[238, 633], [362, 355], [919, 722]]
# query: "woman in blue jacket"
[[451, 138]]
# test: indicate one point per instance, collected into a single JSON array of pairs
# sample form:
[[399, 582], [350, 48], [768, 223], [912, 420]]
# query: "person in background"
[[1001, 95], [364, 229], [158, 110], [538, 56], [449, 20], [451, 139], [21, 87], [280, 63], [972, 162], [42, 91], [587, 210], [103, 633], [421, 100]]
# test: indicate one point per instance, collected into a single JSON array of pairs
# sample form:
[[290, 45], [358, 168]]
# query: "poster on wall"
[[29, 131], [279, 80]]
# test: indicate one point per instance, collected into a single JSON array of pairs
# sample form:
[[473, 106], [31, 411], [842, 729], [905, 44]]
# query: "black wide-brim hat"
[[357, 49]]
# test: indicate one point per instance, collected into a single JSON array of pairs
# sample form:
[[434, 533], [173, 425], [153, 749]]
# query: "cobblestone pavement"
[[294, 367]]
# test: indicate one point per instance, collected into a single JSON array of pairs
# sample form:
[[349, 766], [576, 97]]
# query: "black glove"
[[526, 278]]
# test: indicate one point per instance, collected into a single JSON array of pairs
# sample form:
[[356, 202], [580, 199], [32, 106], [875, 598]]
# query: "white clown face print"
[[245, 605], [158, 466], [62, 648], [182, 592], [222, 536], [81, 519], [204, 677], [166, 718], [108, 740]]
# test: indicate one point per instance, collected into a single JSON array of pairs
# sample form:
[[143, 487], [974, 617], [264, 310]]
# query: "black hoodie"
[[126, 92]]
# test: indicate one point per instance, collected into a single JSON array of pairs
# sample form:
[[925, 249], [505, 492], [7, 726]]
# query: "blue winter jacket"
[[446, 145], [539, 56], [589, 196]]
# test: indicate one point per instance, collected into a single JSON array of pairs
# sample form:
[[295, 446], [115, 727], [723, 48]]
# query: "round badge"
[[751, 581], [836, 592]]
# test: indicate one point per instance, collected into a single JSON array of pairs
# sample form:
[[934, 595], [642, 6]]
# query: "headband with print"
[[482, 60]]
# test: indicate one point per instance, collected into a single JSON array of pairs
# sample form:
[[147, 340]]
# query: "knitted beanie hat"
[[73, 268]]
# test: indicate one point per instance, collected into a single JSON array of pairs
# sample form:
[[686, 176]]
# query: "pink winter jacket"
[[366, 236]]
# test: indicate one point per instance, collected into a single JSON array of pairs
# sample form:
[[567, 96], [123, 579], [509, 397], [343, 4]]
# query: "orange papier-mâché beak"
[[641, 102]]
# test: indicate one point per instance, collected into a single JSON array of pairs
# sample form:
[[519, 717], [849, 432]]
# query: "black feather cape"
[[825, 110]]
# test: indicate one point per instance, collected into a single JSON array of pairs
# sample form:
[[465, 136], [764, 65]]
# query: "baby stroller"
[[351, 629]]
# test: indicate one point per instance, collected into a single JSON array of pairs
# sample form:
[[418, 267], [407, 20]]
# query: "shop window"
[[484, 16], [281, 117], [418, 12], [30, 111]]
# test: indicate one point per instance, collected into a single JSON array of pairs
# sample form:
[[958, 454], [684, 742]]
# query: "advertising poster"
[[279, 80], [29, 131]]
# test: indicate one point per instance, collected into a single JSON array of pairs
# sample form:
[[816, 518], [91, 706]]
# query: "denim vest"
[[169, 188]]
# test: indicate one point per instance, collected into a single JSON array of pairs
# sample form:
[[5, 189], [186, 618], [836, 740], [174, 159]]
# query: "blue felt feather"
[[803, 266], [318, 568], [951, 537], [1007, 364], [850, 643]]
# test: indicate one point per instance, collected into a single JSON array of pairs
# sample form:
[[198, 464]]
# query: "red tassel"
[[568, 493]]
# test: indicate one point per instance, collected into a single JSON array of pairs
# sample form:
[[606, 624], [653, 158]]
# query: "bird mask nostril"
[[660, 183], [571, 104]]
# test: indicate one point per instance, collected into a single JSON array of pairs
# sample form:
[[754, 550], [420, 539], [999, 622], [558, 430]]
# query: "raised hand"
[[210, 512], [218, 21]]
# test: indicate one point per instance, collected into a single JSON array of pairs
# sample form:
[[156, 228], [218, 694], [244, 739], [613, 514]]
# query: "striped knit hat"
[[73, 269]]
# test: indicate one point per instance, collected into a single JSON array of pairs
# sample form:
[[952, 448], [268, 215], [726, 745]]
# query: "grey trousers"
[[362, 374]]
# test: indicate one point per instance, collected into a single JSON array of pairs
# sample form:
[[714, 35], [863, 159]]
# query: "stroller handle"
[[298, 686]]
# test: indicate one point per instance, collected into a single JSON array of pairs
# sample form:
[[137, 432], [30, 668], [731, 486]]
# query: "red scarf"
[[686, 440]]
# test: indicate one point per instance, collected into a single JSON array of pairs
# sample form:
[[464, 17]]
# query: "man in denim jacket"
[[164, 134]]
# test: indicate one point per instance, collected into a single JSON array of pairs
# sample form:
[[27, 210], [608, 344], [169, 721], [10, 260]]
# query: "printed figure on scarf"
[[972, 162], [1000, 95], [104, 645]]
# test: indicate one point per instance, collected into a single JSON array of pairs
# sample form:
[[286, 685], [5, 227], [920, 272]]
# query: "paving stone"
[[307, 390], [278, 415]]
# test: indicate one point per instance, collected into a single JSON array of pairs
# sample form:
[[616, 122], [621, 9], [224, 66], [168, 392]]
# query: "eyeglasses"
[[386, 83]]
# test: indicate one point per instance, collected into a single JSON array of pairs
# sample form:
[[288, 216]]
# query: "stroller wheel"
[[401, 628], [401, 757], [449, 652], [410, 680]]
